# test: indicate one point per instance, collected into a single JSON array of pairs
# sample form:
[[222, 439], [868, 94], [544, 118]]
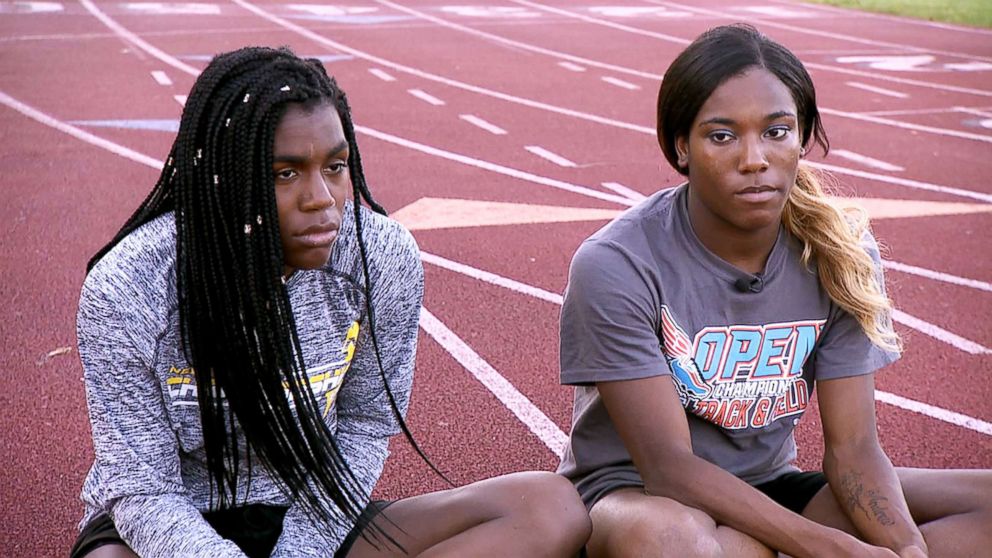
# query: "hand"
[[843, 544]]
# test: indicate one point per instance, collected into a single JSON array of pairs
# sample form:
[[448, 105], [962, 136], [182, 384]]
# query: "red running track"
[[913, 99]]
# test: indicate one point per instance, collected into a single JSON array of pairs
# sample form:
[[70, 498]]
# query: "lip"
[[318, 236], [757, 194]]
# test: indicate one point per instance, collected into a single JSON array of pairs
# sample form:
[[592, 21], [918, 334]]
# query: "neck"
[[747, 250]]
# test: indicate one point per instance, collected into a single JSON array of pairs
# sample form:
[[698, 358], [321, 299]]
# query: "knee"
[[677, 533], [552, 510]]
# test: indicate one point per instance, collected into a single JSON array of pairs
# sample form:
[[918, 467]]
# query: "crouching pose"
[[696, 325], [248, 343]]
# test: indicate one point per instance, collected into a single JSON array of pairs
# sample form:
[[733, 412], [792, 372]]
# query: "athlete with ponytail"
[[695, 326], [248, 343]]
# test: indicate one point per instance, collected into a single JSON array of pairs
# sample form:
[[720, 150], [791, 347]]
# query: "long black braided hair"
[[236, 322]]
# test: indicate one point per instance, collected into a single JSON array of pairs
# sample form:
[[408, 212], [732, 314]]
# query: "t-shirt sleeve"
[[608, 328], [365, 418], [136, 476], [845, 350]]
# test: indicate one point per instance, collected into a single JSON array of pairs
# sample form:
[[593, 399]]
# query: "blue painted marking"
[[169, 125]]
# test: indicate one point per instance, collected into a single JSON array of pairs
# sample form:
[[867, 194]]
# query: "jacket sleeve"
[[136, 474], [365, 418]]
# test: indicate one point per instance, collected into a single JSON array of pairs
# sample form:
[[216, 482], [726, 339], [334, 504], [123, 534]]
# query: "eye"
[[337, 167], [778, 132], [285, 175], [721, 136]]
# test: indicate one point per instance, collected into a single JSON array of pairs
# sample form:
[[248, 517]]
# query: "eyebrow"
[[343, 145], [729, 121]]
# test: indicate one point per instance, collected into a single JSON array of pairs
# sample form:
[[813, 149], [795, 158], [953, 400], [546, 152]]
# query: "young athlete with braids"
[[739, 290], [248, 343]]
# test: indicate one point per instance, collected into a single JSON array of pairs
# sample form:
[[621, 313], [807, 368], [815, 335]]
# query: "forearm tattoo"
[[869, 501]]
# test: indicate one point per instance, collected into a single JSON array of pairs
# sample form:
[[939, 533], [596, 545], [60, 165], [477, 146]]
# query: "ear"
[[682, 149]]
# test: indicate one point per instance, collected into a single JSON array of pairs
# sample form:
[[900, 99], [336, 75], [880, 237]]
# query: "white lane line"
[[879, 90], [181, 99], [898, 181], [161, 77], [553, 157], [971, 423], [865, 160], [940, 334], [762, 22], [493, 167], [624, 191], [897, 19], [938, 276], [381, 74], [604, 22], [424, 96], [976, 112], [75, 132], [571, 63], [938, 413], [136, 40], [533, 104], [908, 125], [518, 404], [620, 83], [487, 126]]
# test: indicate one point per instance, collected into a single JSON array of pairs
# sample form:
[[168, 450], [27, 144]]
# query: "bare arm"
[[860, 475], [652, 423]]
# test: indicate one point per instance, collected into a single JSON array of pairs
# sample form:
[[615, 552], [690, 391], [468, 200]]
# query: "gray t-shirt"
[[645, 298], [149, 473]]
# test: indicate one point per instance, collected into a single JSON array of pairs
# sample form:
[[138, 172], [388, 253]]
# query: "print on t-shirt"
[[740, 376]]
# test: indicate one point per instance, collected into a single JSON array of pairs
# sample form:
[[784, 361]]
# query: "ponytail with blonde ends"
[[831, 236]]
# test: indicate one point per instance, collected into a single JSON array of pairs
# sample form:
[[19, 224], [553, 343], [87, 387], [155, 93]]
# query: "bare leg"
[[952, 507], [111, 551], [628, 523], [521, 515]]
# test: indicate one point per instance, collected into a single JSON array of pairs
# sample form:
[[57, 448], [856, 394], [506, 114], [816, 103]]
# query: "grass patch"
[[969, 12]]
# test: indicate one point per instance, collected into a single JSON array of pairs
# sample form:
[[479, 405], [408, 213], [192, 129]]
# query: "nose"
[[752, 158], [318, 194]]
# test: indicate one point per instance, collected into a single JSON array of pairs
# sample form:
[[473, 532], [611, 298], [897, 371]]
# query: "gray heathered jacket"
[[149, 471]]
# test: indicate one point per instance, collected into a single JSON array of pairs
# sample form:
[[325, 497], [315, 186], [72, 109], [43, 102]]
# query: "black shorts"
[[795, 489], [254, 528]]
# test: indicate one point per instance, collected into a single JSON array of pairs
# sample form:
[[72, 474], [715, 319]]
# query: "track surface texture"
[[456, 104]]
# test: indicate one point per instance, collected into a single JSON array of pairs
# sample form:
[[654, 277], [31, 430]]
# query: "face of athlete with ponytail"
[[742, 154]]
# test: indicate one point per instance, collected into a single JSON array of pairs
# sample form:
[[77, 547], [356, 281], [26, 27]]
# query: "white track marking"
[[620, 83], [938, 413], [381, 74], [136, 40], [538, 105], [904, 20], [492, 278], [572, 63], [75, 132], [553, 157], [624, 191], [865, 160], [898, 181], [487, 126], [938, 276], [908, 125], [518, 404], [964, 421], [493, 167], [181, 99], [820, 33], [976, 112], [605, 23], [161, 78], [426, 97], [939, 333], [879, 90]]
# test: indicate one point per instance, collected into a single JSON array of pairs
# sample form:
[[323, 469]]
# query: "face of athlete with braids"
[[310, 166]]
